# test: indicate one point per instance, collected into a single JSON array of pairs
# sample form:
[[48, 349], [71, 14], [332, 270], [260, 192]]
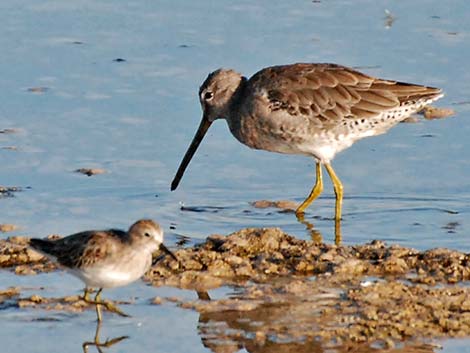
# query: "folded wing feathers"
[[346, 78], [327, 79], [335, 92]]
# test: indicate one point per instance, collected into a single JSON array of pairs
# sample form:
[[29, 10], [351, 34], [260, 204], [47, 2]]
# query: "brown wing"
[[330, 92], [85, 248]]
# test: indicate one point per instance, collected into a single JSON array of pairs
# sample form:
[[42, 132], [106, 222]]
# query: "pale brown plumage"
[[87, 248], [310, 109], [106, 258]]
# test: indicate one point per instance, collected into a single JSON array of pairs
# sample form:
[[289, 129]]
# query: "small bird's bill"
[[201, 131], [167, 251]]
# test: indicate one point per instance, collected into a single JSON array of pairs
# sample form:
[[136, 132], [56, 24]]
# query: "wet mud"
[[296, 293]]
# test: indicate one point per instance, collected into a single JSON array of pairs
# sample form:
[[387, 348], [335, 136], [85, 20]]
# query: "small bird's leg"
[[316, 191], [98, 303], [114, 309], [86, 294], [107, 304], [338, 191]]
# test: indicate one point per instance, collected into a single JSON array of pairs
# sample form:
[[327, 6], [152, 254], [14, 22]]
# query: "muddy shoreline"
[[292, 290]]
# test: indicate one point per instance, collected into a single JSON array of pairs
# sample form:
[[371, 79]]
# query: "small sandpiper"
[[315, 110], [106, 258]]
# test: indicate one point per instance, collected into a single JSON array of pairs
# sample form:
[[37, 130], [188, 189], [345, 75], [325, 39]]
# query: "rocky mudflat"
[[296, 293]]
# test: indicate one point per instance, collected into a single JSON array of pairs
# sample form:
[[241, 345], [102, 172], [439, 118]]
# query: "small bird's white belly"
[[109, 275]]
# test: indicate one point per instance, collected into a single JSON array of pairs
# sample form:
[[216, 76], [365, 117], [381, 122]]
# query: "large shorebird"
[[106, 258], [315, 110]]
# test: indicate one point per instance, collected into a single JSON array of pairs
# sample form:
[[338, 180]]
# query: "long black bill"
[[201, 131], [167, 251]]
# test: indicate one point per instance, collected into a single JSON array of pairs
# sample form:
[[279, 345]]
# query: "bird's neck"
[[232, 114]]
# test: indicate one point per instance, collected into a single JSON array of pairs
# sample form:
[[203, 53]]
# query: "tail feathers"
[[436, 96], [428, 97], [408, 91], [422, 102]]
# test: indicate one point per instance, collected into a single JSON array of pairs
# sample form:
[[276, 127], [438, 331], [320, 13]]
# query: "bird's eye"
[[208, 96], [147, 234]]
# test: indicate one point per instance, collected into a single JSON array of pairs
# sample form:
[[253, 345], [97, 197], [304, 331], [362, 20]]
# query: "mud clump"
[[90, 171], [6, 295], [283, 205], [432, 113], [407, 309], [17, 255], [259, 254], [72, 303], [8, 191], [6, 227], [298, 290]]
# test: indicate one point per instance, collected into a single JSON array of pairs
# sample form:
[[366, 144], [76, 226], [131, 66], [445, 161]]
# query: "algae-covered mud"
[[294, 293]]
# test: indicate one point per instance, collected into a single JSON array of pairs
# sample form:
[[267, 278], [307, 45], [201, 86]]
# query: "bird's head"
[[150, 234], [216, 96]]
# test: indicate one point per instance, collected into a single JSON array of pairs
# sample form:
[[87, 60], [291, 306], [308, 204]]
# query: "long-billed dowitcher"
[[316, 110], [106, 258]]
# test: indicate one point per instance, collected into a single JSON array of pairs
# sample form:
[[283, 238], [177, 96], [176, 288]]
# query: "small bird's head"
[[148, 232], [215, 95]]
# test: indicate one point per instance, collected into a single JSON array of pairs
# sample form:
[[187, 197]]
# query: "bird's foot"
[[108, 305], [114, 309]]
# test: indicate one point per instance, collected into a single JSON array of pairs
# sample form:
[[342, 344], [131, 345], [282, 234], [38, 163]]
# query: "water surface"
[[135, 118]]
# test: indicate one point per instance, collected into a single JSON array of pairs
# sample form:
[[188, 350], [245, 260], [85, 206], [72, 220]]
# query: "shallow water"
[[135, 118]]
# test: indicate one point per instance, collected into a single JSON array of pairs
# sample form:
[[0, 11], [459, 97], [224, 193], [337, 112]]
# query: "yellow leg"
[[338, 191], [316, 191]]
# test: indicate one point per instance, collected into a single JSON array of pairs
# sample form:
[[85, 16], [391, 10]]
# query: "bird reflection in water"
[[233, 331], [316, 235], [286, 206], [98, 343]]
